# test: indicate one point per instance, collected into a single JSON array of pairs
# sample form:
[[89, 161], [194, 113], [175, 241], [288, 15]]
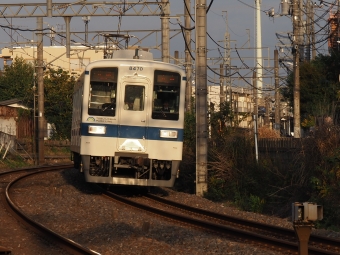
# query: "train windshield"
[[134, 98], [103, 91], [166, 93]]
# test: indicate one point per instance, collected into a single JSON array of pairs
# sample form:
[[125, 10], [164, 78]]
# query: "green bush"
[[217, 190], [256, 204], [270, 185]]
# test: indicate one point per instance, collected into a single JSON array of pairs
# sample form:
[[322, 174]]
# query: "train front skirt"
[[130, 170]]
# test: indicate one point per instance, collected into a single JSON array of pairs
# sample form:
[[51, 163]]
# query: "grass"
[[14, 160]]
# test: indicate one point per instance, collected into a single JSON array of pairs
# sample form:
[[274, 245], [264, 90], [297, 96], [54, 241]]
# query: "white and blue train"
[[128, 120]]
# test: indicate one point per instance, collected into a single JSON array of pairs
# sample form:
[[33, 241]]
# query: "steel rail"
[[232, 232], [315, 240], [65, 243]]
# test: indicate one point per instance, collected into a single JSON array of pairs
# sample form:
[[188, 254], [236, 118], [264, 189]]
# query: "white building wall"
[[55, 56], [8, 126], [242, 103]]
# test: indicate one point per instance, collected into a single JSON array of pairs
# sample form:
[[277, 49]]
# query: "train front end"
[[131, 122]]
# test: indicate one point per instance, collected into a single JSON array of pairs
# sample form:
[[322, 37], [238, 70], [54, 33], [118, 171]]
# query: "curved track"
[[255, 233], [19, 175], [317, 243]]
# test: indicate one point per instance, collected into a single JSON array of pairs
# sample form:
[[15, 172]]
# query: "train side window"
[[103, 90], [166, 95], [134, 99]]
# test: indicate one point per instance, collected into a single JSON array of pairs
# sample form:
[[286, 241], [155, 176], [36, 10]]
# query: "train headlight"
[[168, 134], [101, 130]]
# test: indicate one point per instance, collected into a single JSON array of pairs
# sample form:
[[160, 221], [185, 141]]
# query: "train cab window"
[[166, 95], [103, 91], [134, 98]]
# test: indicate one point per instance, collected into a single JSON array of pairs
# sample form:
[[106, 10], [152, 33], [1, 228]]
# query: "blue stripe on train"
[[132, 132]]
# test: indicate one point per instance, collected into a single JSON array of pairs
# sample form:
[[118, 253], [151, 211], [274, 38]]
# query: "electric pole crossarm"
[[26, 10]]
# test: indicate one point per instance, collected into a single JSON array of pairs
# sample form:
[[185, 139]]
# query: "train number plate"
[[136, 68]]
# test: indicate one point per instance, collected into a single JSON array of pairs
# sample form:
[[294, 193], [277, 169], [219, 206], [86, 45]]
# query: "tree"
[[58, 85], [319, 89], [220, 119], [17, 81]]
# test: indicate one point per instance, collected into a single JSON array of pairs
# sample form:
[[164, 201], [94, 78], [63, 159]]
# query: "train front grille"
[[99, 166]]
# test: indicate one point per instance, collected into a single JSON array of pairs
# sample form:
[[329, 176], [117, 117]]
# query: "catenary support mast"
[[201, 98], [41, 98], [165, 31], [296, 67], [259, 80]]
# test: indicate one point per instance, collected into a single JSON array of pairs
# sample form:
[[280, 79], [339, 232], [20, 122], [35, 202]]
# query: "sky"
[[235, 16]]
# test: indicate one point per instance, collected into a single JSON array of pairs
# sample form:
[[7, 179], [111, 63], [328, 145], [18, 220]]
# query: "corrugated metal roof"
[[11, 101]]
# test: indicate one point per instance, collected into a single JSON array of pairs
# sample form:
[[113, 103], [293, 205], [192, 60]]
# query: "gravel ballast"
[[63, 202]]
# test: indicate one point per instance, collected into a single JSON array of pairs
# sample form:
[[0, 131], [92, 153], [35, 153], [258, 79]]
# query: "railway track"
[[17, 176], [255, 233], [317, 243]]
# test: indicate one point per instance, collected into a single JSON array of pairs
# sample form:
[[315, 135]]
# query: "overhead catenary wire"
[[125, 6]]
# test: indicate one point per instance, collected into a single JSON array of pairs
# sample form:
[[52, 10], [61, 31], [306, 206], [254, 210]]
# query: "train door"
[[133, 117]]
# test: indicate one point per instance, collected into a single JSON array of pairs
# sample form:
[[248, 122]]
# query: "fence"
[[283, 144], [284, 150], [9, 143], [6, 139], [24, 147], [55, 143]]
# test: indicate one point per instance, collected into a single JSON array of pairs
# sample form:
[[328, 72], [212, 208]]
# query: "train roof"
[[133, 54]]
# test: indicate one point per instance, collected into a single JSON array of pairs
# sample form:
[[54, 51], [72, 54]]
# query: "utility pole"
[[312, 27], [201, 98], [60, 28], [35, 134], [313, 35], [41, 99], [309, 11], [86, 20], [188, 60], [52, 35], [256, 114], [310, 34], [227, 62], [256, 100], [277, 92], [296, 67], [222, 94], [165, 31], [258, 49], [68, 36], [267, 117]]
